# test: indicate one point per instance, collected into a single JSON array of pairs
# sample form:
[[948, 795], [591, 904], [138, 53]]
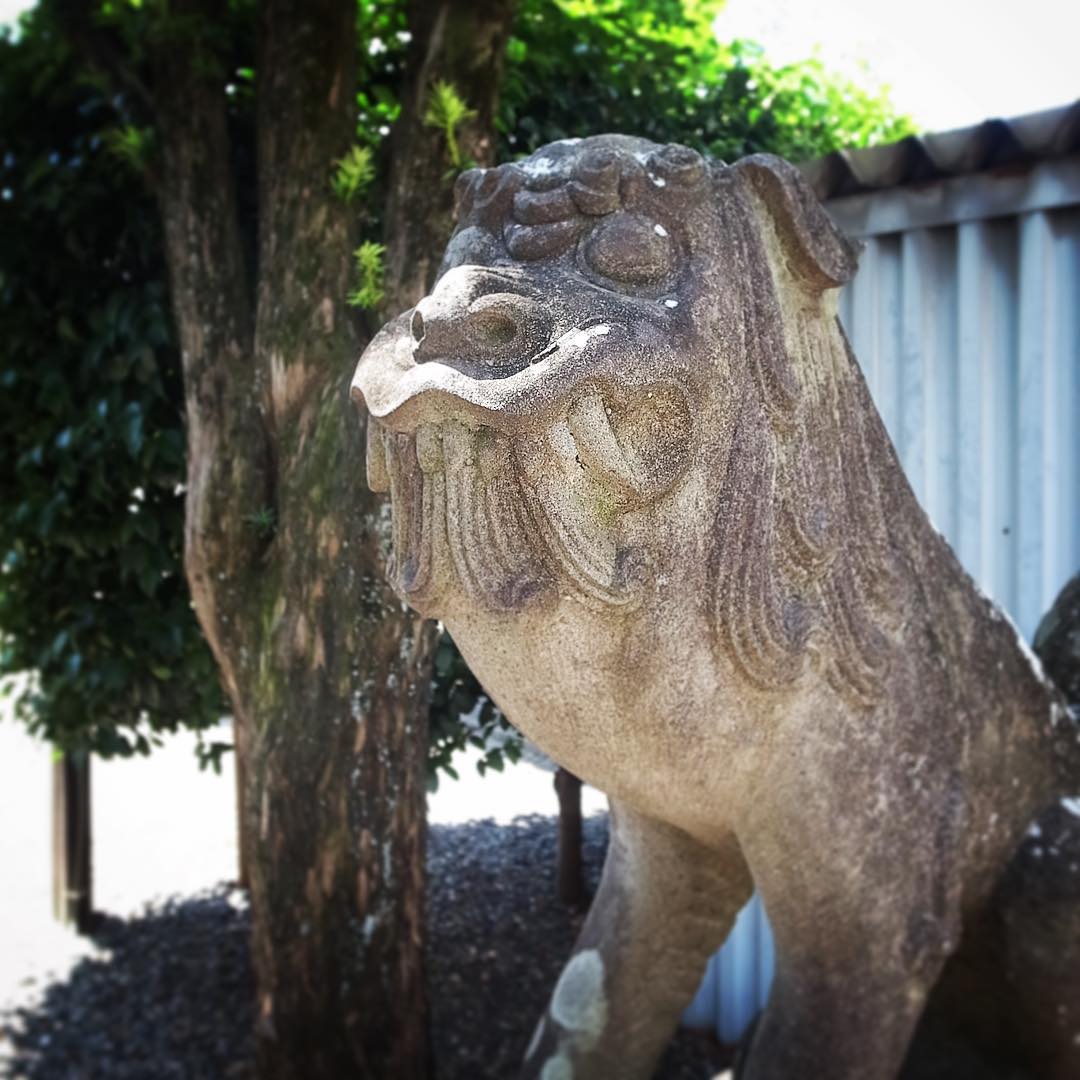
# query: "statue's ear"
[[815, 249]]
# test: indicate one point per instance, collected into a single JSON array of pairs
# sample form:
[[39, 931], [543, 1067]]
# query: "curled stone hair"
[[800, 548]]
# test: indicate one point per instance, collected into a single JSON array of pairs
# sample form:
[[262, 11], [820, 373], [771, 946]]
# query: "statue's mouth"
[[479, 512], [515, 395], [511, 487], [591, 380]]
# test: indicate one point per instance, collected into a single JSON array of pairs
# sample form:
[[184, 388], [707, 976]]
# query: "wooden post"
[[571, 876], [243, 837], [72, 895]]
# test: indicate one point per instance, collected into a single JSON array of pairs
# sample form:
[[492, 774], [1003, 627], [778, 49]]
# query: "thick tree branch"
[[465, 44], [228, 481], [306, 118]]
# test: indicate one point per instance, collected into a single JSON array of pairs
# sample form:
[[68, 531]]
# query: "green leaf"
[[66, 330], [447, 111], [369, 267], [353, 173], [133, 428]]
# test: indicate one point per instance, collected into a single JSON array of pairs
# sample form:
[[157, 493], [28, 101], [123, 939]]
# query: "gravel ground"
[[167, 994], [498, 939]]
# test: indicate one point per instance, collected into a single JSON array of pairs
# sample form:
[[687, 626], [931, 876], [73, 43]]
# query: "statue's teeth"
[[378, 479], [429, 452], [493, 453], [598, 448]]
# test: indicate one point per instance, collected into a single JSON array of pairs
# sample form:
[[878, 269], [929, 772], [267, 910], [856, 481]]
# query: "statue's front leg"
[[861, 938], [665, 904], [850, 1024]]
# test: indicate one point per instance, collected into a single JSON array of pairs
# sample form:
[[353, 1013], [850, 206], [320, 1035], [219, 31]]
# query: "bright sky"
[[10, 8], [950, 63]]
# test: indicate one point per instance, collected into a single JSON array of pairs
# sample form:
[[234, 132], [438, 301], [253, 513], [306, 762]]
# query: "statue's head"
[[613, 341]]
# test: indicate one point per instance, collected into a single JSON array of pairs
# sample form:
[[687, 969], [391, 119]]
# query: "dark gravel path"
[[173, 999], [170, 999]]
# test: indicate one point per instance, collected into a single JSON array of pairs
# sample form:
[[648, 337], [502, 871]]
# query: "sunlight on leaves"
[[353, 173], [447, 111], [369, 268]]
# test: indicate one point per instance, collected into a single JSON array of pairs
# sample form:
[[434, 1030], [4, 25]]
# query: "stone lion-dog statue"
[[635, 469]]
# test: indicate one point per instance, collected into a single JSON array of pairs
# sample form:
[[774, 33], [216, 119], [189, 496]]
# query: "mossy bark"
[[328, 674], [229, 469], [465, 44]]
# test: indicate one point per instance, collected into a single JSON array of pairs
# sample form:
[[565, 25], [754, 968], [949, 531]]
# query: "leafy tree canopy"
[[92, 593], [656, 68]]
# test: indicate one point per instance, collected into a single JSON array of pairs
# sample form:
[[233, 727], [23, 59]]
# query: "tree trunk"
[[328, 675], [241, 752], [571, 873], [338, 756], [72, 875]]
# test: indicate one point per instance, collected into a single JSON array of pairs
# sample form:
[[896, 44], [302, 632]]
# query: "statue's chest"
[[584, 693]]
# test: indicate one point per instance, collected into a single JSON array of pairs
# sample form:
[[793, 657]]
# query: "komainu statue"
[[634, 468]]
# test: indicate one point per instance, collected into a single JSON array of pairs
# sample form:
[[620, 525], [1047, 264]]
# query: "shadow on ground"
[[171, 994]]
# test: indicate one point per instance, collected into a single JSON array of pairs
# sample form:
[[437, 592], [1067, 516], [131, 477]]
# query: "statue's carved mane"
[[800, 550], [799, 554]]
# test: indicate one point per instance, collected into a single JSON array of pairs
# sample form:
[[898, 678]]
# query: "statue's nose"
[[496, 330]]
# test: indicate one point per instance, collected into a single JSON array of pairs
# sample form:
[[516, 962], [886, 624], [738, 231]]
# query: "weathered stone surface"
[[1057, 641], [635, 468]]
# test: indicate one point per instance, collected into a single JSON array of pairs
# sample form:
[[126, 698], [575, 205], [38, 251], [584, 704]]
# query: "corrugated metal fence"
[[965, 316]]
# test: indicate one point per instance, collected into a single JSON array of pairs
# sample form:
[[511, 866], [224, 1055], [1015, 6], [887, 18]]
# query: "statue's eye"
[[630, 248]]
